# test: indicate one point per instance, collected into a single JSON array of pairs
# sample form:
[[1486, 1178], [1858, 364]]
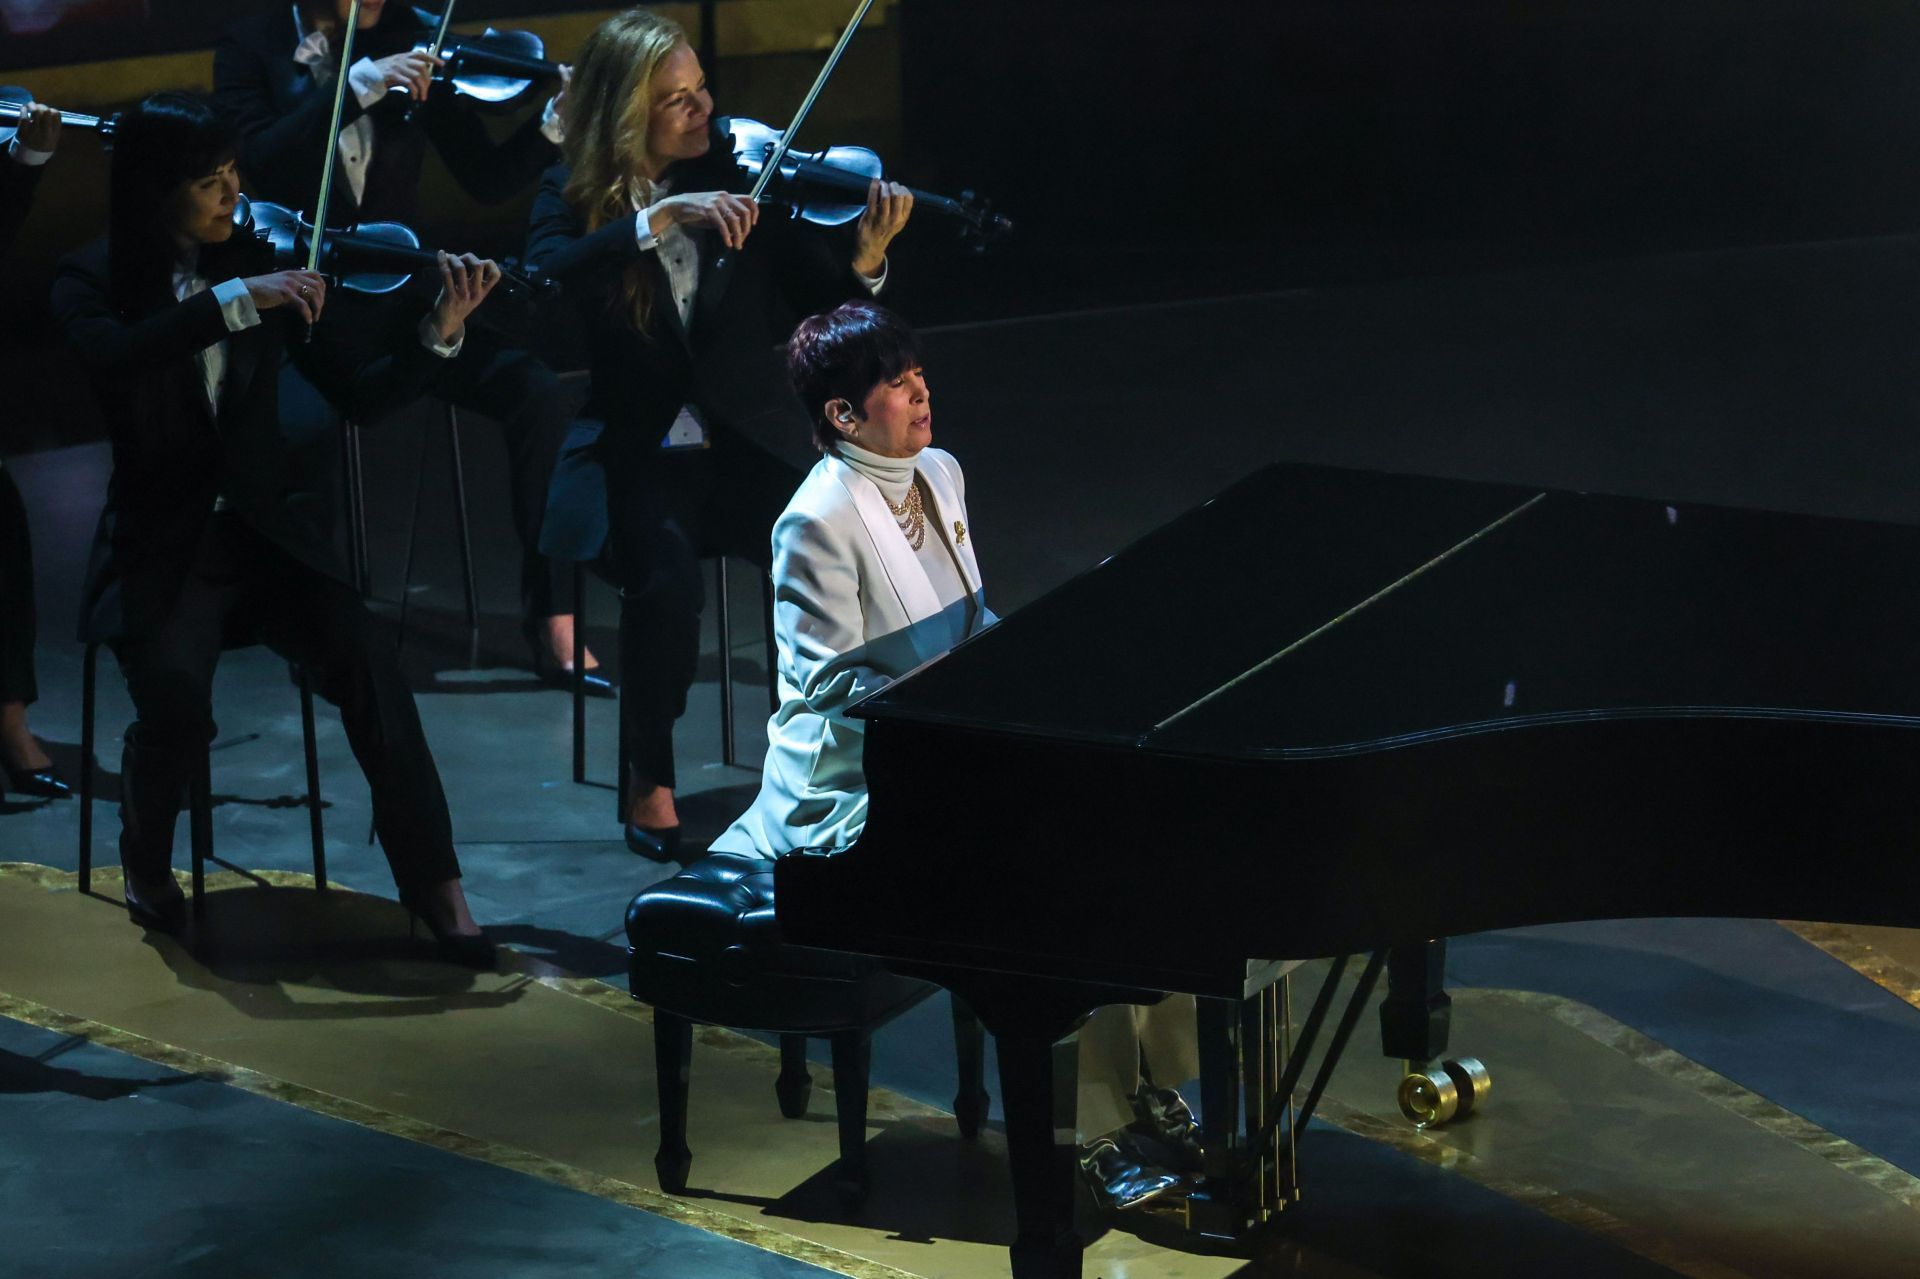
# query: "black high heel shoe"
[[469, 950], [163, 911], [38, 783], [555, 674], [661, 845]]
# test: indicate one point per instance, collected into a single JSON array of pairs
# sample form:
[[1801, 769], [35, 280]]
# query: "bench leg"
[[672, 1058], [794, 1088], [852, 1058], [970, 1102]]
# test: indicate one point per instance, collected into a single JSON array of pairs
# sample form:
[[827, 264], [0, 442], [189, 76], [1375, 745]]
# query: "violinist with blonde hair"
[[685, 293]]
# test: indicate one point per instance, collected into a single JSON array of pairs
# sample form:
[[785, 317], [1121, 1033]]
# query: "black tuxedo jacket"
[[727, 363], [172, 457], [17, 182], [283, 117]]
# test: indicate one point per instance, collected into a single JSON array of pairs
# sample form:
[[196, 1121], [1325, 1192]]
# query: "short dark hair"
[[842, 355]]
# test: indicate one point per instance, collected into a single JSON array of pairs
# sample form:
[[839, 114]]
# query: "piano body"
[[1332, 712]]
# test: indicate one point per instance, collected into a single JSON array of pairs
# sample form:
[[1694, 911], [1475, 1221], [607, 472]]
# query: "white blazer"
[[853, 610]]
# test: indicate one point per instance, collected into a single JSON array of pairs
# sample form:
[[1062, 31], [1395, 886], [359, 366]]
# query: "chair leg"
[[314, 828], [89, 664], [356, 508], [200, 827], [466, 535], [852, 1060], [724, 613], [672, 1059], [794, 1088], [579, 673], [970, 1101], [413, 539]]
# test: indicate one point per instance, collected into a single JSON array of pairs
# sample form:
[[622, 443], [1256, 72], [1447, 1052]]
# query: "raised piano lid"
[[1311, 612]]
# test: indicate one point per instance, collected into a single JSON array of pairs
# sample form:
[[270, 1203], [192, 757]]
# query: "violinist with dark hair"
[[634, 227], [28, 769], [212, 530], [273, 80]]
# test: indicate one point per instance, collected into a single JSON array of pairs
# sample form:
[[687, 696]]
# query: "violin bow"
[[779, 152], [333, 138], [721, 270], [433, 51]]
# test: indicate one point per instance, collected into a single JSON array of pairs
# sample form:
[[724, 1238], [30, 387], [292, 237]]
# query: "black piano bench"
[[704, 948]]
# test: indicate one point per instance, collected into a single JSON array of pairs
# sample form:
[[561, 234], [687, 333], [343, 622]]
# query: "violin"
[[829, 188], [496, 69], [13, 97], [369, 257]]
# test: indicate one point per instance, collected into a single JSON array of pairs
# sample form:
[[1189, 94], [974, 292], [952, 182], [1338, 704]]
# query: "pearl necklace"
[[911, 516]]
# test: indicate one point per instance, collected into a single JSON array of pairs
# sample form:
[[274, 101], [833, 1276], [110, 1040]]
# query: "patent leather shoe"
[[556, 674], [38, 783], [469, 950], [661, 845], [1165, 1131], [160, 906], [1119, 1180]]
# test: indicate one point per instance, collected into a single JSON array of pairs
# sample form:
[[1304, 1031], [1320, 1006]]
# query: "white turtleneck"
[[894, 476]]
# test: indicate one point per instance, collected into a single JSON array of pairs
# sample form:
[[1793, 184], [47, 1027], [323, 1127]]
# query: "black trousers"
[[242, 589], [666, 512], [16, 597], [489, 376]]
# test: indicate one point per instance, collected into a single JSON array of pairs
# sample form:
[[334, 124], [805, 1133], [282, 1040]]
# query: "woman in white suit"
[[873, 573]]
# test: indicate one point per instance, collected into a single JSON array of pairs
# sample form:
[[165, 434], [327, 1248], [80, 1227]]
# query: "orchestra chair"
[[705, 949], [358, 556], [199, 793]]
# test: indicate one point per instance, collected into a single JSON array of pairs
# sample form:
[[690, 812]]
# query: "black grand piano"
[[1335, 713]]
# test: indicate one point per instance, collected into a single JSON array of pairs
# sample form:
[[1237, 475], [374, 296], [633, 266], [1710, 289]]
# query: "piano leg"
[[852, 1062], [1417, 1012], [1414, 1023], [1039, 1086]]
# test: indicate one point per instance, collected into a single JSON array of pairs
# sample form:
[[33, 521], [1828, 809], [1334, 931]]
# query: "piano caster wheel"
[[1437, 1095], [672, 1167]]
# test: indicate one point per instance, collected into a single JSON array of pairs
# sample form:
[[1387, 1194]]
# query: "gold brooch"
[[959, 533]]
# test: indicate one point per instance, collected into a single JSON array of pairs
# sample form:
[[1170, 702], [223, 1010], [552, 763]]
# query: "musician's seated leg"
[[1135, 1133]]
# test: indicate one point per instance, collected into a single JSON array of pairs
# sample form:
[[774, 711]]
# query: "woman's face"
[[200, 210], [677, 122], [897, 418]]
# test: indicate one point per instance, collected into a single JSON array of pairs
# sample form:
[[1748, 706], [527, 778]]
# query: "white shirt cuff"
[[430, 338], [236, 305], [23, 154], [552, 127], [874, 283], [368, 85], [643, 230]]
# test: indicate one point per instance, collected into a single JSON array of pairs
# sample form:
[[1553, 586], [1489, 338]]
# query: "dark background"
[[1657, 248]]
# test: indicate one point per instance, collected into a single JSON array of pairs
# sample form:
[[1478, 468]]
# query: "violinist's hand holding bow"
[[733, 216], [889, 205], [465, 281], [304, 291]]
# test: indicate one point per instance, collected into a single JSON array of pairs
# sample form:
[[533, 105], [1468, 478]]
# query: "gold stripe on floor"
[[1888, 957]]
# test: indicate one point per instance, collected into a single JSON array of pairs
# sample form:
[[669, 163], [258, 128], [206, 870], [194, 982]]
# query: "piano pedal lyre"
[[1431, 1096]]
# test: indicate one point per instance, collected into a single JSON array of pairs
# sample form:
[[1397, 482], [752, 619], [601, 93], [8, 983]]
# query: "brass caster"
[[1434, 1095]]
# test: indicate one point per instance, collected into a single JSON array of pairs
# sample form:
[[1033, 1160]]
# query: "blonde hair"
[[608, 104]]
